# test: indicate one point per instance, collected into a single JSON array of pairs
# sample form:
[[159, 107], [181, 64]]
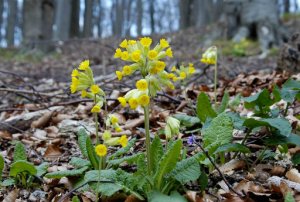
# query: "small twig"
[[219, 171]]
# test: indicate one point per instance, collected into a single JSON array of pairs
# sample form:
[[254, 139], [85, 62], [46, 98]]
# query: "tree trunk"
[[128, 18], [98, 20], [1, 19], [152, 11], [62, 19], [11, 22], [287, 6], [75, 12], [88, 19], [185, 13], [139, 7], [118, 17]]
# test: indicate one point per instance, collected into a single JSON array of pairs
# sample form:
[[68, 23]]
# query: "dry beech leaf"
[[134, 123], [284, 188], [277, 170], [293, 175], [5, 135], [232, 165], [40, 134], [193, 196], [276, 181], [42, 121], [52, 152], [85, 199], [132, 198], [60, 117], [12, 196]]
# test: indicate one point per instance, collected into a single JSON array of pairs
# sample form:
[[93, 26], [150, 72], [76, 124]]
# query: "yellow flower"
[[101, 150], [146, 41], [75, 73], [175, 78], [84, 65], [119, 75], [125, 55], [123, 140], [127, 70], [144, 100], [95, 89], [136, 56], [152, 54], [169, 52], [122, 101], [171, 86], [160, 65], [73, 88], [142, 84], [131, 42], [173, 69], [124, 44], [118, 129], [170, 75], [210, 56], [164, 43], [114, 119], [95, 109], [83, 93], [133, 103], [182, 75], [191, 70], [118, 53]]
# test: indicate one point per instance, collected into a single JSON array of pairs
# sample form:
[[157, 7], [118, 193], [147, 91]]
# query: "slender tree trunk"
[[1, 19], [139, 7], [287, 6], [128, 18], [62, 19], [185, 13], [152, 11], [118, 17], [88, 19], [75, 12], [11, 22]]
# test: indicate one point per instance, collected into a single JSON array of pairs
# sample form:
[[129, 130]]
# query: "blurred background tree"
[[38, 23]]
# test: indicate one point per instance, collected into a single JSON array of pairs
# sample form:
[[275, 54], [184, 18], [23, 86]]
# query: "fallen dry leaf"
[[293, 175], [52, 152], [42, 121]]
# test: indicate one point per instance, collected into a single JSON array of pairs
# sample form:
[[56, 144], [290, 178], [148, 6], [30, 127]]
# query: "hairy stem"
[[215, 79], [148, 141]]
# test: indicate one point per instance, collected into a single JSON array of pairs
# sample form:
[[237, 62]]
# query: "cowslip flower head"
[[152, 54], [123, 140], [164, 43], [122, 101], [124, 44], [114, 119], [142, 84], [96, 109], [119, 75], [144, 100], [127, 70], [118, 53], [146, 41], [95, 89], [84, 65], [101, 150], [133, 103], [210, 56], [169, 52], [172, 127], [136, 56]]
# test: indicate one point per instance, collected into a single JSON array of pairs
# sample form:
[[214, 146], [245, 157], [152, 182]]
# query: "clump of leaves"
[[23, 173]]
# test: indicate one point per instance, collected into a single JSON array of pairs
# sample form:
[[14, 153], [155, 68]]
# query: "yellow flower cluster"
[[83, 81], [182, 72], [149, 62], [210, 56], [136, 97], [101, 150]]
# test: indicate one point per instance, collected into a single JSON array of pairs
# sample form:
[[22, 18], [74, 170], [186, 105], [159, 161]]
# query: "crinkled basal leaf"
[[156, 196], [276, 140], [261, 99], [42, 169], [1, 166], [82, 136], [92, 156], [204, 108], [187, 120], [22, 166], [8, 182], [67, 173], [292, 84], [224, 103], [281, 124], [186, 170], [123, 150], [167, 162], [219, 131], [93, 175], [156, 152], [128, 159], [79, 162], [233, 147], [20, 152]]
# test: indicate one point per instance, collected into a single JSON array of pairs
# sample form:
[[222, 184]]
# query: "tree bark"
[[75, 12], [11, 22], [1, 19], [139, 7], [62, 19], [185, 13], [88, 19], [152, 11], [98, 20]]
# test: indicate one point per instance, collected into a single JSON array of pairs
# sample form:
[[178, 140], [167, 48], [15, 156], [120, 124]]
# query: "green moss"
[[290, 16]]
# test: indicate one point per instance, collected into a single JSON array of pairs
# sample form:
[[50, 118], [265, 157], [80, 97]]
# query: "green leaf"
[[123, 150], [20, 152], [288, 95], [292, 84], [92, 156], [107, 189], [167, 162], [261, 99], [67, 173], [22, 166], [276, 140], [75, 199], [296, 159], [204, 108], [1, 166], [82, 136], [128, 159], [282, 125], [79, 162], [233, 147], [8, 182], [42, 169], [219, 131], [186, 120], [156, 196], [224, 103], [156, 152], [203, 181], [237, 120], [186, 170], [289, 197]]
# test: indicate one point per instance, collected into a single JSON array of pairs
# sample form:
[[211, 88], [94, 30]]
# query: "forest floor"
[[37, 109]]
